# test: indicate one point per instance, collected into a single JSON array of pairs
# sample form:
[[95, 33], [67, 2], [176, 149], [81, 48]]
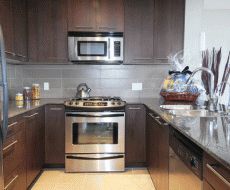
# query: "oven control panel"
[[94, 104]]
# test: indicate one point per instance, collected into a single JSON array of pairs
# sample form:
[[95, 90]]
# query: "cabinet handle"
[[138, 59], [11, 53], [106, 28], [83, 27], [11, 182], [10, 145], [159, 122], [156, 118], [56, 109], [152, 116], [218, 175], [12, 124], [19, 55], [134, 108], [29, 116], [161, 58]]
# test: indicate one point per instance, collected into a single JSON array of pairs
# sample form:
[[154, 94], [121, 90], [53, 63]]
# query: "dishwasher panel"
[[185, 163], [180, 176]]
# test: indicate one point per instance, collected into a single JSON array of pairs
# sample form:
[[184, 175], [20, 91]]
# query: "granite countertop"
[[17, 109], [212, 134]]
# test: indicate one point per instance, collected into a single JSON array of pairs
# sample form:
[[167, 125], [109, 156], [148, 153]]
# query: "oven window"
[[92, 48], [95, 133]]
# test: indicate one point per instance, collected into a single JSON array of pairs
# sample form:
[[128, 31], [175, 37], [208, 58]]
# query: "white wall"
[[213, 19]]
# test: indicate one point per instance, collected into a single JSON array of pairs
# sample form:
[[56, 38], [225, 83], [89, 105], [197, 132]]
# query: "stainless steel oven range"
[[95, 135]]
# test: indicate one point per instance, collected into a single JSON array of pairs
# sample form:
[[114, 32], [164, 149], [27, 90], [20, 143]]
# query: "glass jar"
[[35, 91], [27, 93], [19, 97]]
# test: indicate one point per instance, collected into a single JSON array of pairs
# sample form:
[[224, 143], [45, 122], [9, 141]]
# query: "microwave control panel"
[[117, 48]]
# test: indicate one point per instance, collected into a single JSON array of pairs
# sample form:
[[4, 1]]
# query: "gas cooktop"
[[96, 102]]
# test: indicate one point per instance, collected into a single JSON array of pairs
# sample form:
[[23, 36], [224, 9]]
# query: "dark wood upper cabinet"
[[135, 141], [54, 135], [14, 25], [6, 21], [96, 15], [47, 31], [110, 15], [81, 15], [154, 29], [20, 29], [168, 28], [139, 20]]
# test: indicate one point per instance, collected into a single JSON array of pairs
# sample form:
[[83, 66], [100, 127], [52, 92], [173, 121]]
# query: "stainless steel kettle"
[[83, 91]]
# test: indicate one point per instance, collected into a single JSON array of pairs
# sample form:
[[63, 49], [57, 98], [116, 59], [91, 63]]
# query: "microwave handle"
[[109, 48]]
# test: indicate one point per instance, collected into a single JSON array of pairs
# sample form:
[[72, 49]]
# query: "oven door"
[[95, 132], [89, 48]]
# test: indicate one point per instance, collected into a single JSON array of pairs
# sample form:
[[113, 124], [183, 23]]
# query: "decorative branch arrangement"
[[225, 76], [212, 61]]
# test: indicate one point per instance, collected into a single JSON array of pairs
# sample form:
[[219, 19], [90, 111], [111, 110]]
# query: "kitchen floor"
[[131, 179]]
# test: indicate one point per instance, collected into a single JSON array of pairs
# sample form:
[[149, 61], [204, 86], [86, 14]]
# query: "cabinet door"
[[34, 144], [163, 155], [6, 21], [139, 21], [158, 147], [17, 179], [152, 148], [135, 135], [217, 175], [55, 134], [20, 29], [206, 186], [14, 155], [110, 15], [168, 28], [47, 31], [81, 15]]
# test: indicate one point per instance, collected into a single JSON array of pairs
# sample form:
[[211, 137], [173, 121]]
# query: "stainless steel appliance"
[[95, 47], [4, 109], [95, 135], [83, 91], [185, 163]]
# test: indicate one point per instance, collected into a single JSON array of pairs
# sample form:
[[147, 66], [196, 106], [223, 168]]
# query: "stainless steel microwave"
[[104, 47]]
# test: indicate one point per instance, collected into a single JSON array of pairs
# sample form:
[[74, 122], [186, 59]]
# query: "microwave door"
[[92, 48]]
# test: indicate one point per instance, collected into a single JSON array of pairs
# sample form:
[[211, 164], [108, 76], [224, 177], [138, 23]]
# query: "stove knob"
[[76, 103], [113, 103], [71, 103], [118, 103]]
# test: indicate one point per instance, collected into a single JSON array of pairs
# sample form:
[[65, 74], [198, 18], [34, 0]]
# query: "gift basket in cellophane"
[[175, 87]]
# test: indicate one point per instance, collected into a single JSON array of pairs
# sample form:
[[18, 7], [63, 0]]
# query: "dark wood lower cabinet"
[[17, 179], [217, 177], [14, 156], [206, 186], [158, 151], [135, 141], [54, 135], [34, 143]]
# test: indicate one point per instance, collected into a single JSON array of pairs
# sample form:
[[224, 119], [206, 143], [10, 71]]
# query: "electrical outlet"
[[136, 86], [46, 86]]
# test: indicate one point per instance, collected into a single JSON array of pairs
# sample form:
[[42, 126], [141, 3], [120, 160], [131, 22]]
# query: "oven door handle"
[[90, 158], [94, 115]]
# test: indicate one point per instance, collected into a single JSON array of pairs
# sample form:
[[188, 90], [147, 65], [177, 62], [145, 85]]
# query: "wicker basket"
[[179, 96]]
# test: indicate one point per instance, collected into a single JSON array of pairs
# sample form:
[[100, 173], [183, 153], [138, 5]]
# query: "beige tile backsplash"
[[108, 80]]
